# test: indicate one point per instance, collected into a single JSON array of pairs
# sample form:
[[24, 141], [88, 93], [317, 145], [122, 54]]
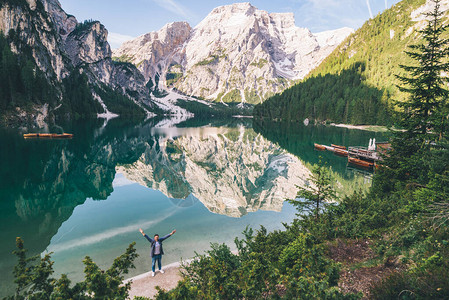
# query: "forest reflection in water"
[[49, 189]]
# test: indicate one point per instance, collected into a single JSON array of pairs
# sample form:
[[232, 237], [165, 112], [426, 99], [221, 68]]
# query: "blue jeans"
[[156, 257]]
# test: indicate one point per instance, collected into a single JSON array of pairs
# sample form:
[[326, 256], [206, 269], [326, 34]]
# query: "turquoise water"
[[102, 229], [89, 195]]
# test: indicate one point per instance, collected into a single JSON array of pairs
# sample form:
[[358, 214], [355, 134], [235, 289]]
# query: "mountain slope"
[[236, 54], [356, 83], [70, 60]]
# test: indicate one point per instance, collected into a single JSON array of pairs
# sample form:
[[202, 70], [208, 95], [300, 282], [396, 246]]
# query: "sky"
[[126, 19]]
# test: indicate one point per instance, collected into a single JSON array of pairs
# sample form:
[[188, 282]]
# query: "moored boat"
[[338, 146], [320, 147], [360, 162], [48, 135], [341, 152]]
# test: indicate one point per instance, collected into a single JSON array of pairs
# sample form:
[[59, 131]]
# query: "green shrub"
[[34, 281], [232, 96]]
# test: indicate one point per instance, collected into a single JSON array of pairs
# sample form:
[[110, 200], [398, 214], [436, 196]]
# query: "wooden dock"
[[363, 153], [358, 156]]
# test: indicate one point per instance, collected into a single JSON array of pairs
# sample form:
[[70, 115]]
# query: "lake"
[[208, 179]]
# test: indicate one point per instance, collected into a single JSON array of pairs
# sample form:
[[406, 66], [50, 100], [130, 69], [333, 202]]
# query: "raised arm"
[[146, 236], [167, 236]]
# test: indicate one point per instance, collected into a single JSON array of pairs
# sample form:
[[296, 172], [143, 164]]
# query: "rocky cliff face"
[[60, 46], [151, 51], [236, 54], [232, 171], [31, 27], [88, 49]]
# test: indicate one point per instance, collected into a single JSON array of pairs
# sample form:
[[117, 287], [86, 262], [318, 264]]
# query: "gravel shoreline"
[[376, 128], [145, 285]]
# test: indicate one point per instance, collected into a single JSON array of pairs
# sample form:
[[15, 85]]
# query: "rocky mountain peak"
[[238, 53], [150, 51], [87, 43], [244, 7], [62, 48], [65, 23], [175, 32], [283, 20]]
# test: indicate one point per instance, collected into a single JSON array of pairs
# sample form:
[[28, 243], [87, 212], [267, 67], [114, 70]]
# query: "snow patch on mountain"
[[106, 114], [168, 103], [238, 53]]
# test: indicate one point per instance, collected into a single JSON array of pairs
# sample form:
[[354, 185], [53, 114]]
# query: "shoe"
[[152, 274], [162, 271]]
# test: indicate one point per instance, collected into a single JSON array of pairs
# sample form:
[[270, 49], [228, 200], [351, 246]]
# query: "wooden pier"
[[359, 156], [363, 153]]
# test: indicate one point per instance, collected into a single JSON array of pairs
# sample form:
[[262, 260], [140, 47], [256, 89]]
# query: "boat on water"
[[357, 156], [338, 146], [341, 152], [319, 147], [360, 162], [48, 135]]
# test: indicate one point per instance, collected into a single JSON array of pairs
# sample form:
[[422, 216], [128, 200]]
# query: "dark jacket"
[[153, 242]]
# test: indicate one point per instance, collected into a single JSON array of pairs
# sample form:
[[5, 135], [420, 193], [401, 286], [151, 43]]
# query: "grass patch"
[[262, 62], [232, 96], [208, 61], [172, 78]]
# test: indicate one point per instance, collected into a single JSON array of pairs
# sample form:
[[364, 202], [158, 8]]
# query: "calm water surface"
[[89, 195]]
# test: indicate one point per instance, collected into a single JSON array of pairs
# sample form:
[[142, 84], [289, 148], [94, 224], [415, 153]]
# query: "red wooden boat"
[[339, 147], [341, 152], [320, 147], [360, 162], [48, 135]]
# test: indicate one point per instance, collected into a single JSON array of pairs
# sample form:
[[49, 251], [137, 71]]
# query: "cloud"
[[176, 8], [108, 234], [369, 9], [386, 4], [320, 15], [116, 39]]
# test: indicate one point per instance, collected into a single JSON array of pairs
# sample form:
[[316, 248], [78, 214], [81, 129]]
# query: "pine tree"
[[318, 194], [409, 161], [426, 82], [34, 281]]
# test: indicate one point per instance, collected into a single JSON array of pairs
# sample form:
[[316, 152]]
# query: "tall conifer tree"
[[426, 81]]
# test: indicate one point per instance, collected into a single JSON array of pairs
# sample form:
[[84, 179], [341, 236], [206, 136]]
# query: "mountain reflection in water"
[[232, 171], [228, 166]]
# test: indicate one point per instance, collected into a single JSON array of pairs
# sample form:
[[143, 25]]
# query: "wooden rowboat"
[[320, 147], [360, 162], [341, 152], [48, 135], [339, 147]]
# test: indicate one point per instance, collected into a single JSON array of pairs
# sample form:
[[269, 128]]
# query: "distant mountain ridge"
[[71, 60], [55, 67], [356, 83], [236, 54]]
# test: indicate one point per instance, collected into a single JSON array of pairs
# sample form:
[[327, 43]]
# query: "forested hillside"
[[20, 81], [46, 72], [24, 85], [356, 84]]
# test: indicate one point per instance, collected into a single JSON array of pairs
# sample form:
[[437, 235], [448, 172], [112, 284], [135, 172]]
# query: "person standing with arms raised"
[[156, 249]]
